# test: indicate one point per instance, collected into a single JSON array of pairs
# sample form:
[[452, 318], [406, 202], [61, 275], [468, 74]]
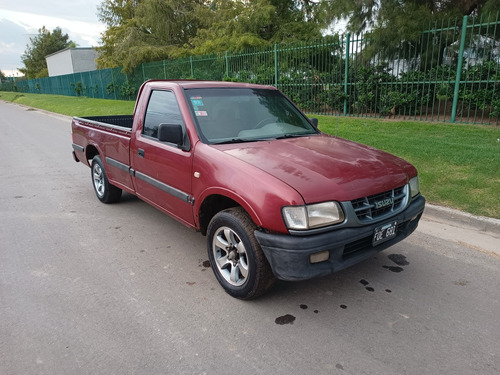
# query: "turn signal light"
[[319, 257]]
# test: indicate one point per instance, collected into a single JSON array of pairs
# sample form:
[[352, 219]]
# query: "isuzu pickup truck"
[[275, 197]]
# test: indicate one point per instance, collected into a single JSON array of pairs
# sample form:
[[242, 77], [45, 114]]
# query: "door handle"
[[140, 152]]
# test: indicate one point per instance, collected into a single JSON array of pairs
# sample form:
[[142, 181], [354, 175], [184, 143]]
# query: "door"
[[162, 170]]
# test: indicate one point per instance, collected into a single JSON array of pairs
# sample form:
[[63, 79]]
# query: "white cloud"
[[78, 31], [21, 20], [77, 10]]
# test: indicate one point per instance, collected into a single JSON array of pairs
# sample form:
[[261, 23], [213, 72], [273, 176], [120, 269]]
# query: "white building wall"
[[83, 59], [59, 63], [71, 60]]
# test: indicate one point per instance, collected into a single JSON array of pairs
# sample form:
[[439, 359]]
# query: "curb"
[[461, 219]]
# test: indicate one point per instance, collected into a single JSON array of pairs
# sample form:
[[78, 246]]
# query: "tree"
[[41, 45], [393, 25], [365, 15], [237, 24], [295, 20], [2, 76], [145, 30], [227, 25]]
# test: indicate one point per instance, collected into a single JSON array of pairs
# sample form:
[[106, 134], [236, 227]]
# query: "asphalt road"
[[88, 288]]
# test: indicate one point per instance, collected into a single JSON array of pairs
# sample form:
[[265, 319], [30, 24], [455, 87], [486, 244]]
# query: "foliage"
[[127, 90], [238, 25], [148, 30], [230, 25], [320, 69], [409, 15], [397, 24], [141, 31], [145, 30], [495, 108], [78, 88], [41, 45], [110, 88]]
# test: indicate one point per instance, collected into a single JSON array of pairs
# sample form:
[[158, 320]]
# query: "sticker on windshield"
[[201, 113], [197, 101]]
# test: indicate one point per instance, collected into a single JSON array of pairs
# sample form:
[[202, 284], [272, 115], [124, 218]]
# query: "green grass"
[[71, 105], [459, 165]]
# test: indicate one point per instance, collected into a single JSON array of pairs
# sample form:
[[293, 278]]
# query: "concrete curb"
[[461, 219], [474, 232]]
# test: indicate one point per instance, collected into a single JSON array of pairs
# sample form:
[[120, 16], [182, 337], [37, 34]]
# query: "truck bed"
[[124, 121]]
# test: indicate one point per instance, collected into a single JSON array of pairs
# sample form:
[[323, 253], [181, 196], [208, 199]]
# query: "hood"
[[323, 168]]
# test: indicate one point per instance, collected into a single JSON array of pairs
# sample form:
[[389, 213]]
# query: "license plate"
[[384, 233]]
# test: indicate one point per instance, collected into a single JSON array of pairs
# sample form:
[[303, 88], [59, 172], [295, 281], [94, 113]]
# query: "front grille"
[[377, 205]]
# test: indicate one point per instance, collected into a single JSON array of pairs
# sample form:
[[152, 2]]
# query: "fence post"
[[346, 77], [102, 85], [276, 76], [227, 65], [459, 70], [115, 86], [143, 74], [191, 63]]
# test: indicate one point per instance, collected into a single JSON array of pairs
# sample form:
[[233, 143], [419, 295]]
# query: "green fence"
[[451, 74]]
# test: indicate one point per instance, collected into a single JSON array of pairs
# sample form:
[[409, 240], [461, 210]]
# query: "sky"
[[21, 19]]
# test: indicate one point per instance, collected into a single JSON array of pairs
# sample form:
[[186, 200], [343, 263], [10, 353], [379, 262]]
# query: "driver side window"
[[162, 109]]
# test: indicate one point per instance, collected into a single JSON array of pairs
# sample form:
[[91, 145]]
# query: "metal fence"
[[451, 74]]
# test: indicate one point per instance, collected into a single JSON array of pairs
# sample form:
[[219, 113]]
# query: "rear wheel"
[[104, 191], [236, 258]]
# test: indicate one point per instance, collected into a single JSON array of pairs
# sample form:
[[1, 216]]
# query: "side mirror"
[[171, 133], [314, 122]]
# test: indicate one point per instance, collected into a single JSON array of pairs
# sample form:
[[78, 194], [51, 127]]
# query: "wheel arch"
[[215, 203], [91, 151]]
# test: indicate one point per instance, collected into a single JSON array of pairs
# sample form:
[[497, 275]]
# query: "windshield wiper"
[[242, 140], [295, 135]]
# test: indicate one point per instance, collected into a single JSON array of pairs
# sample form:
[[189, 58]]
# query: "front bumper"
[[289, 256]]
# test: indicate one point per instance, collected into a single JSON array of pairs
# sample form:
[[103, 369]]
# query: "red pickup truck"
[[276, 197]]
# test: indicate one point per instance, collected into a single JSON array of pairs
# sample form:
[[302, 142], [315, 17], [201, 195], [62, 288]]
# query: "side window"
[[162, 109]]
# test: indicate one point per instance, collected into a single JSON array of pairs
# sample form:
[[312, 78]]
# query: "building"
[[71, 60]]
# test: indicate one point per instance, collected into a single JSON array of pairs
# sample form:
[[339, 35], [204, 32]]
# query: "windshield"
[[227, 115]]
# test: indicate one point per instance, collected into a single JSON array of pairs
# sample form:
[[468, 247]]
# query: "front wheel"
[[104, 191], [236, 258]]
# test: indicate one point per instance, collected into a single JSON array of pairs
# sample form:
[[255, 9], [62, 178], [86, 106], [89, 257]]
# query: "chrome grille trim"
[[394, 201]]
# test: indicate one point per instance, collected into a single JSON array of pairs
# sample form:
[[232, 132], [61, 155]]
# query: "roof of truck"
[[206, 84]]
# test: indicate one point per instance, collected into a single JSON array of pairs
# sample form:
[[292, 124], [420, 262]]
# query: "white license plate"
[[384, 233]]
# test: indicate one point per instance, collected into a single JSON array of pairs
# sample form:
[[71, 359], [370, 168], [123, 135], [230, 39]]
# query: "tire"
[[236, 258], [104, 191]]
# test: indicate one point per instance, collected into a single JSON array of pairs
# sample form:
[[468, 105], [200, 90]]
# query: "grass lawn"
[[459, 165], [71, 105]]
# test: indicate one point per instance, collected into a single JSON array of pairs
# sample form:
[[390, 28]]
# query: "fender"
[[211, 191]]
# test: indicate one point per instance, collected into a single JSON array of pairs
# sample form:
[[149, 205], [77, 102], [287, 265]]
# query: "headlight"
[[313, 215], [414, 186]]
